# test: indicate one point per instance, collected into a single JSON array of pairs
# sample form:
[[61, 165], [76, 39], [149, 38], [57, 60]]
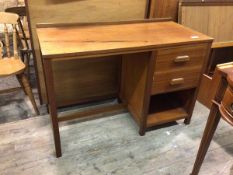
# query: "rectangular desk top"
[[86, 40]]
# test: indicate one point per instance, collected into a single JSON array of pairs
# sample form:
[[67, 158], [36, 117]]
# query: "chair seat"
[[11, 66]]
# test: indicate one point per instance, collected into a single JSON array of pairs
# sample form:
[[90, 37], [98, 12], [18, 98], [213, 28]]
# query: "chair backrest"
[[5, 19], [22, 22], [226, 106], [21, 11]]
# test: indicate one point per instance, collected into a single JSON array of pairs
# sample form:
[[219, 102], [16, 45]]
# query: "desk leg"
[[52, 105], [147, 93]]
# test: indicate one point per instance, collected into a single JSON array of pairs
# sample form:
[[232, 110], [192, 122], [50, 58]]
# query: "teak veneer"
[[161, 66], [80, 11], [164, 9]]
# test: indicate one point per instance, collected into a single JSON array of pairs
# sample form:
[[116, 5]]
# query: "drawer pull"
[[181, 59], [231, 107], [177, 81]]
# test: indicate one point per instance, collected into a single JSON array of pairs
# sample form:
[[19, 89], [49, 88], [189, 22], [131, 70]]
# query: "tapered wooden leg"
[[21, 84], [142, 132], [28, 64], [25, 55], [210, 129], [190, 104], [52, 106], [27, 89], [56, 133], [187, 121]]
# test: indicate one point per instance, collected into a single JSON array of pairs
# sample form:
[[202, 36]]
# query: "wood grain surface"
[[86, 40], [70, 11], [210, 20], [164, 9]]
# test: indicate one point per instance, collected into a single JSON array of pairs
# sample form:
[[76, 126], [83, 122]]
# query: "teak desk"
[[162, 63]]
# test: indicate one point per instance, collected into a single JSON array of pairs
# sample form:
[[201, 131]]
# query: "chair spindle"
[[1, 51], [7, 41], [15, 42]]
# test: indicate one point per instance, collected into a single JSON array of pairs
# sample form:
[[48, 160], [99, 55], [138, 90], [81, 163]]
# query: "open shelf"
[[166, 116], [168, 107]]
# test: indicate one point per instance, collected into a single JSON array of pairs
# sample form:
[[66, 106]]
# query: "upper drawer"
[[179, 57]]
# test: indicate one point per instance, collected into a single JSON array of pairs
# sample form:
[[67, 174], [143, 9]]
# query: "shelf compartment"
[[169, 107], [166, 116]]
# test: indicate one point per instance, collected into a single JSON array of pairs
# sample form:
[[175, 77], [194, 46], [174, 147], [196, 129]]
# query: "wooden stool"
[[222, 107]]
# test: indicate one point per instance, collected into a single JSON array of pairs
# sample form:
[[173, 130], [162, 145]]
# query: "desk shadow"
[[162, 126]]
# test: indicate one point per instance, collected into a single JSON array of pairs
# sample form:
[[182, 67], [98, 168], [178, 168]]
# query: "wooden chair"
[[22, 21], [13, 65], [222, 107], [23, 33]]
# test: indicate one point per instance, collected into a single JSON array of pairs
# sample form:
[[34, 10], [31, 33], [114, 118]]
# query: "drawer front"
[[180, 57], [175, 80]]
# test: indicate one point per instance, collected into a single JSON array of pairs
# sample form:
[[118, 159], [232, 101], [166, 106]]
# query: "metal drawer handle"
[[177, 81], [231, 107], [181, 59]]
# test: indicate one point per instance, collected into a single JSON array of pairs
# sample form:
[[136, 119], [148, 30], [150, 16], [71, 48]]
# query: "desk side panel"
[[134, 83]]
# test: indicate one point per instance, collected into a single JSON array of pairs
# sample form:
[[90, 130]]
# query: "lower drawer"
[[175, 80]]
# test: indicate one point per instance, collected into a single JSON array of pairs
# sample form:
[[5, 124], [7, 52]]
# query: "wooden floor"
[[112, 146]]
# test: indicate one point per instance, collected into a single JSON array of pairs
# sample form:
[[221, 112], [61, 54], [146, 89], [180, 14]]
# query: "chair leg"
[[210, 129], [27, 89], [25, 55], [21, 84], [28, 65]]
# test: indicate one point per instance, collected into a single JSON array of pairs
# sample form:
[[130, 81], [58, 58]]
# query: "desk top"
[[89, 40]]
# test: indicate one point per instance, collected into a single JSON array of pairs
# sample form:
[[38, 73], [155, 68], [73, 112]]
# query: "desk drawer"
[[179, 57], [175, 80]]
